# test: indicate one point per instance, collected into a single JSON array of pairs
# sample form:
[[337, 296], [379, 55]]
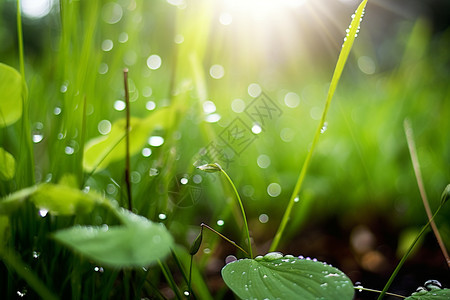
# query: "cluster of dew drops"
[[357, 30]]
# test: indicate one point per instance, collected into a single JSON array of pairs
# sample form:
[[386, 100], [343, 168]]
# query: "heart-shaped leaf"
[[139, 242], [435, 294], [7, 165], [275, 276], [11, 91]]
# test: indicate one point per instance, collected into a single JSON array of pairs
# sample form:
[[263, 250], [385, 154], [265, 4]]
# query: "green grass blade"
[[346, 47]]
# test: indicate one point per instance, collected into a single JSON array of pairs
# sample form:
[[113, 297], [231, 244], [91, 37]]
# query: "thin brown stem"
[[416, 166], [127, 140]]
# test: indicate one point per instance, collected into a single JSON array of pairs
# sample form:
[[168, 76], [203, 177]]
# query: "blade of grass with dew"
[[346, 47]]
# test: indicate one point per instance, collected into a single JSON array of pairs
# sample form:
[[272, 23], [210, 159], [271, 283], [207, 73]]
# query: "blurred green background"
[[204, 63]]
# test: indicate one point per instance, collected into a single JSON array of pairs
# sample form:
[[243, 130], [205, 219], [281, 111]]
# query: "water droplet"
[[112, 13], [178, 39], [254, 90], [57, 111], [107, 45], [37, 137], [274, 189], [22, 293], [263, 161], [433, 284], [263, 218], [230, 258], [64, 87], [162, 216], [146, 152], [156, 141], [238, 105], [135, 177], [36, 254], [119, 105], [184, 180], [154, 62], [207, 251], [297, 199], [209, 107], [256, 129], [216, 71], [324, 127], [104, 127], [43, 212], [273, 256], [197, 179], [292, 100], [150, 105], [69, 150], [153, 172], [220, 222], [186, 293], [212, 118], [98, 269], [123, 37]]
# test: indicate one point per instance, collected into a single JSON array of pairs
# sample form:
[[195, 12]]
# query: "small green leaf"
[[101, 151], [210, 168], [276, 277], [57, 199], [7, 165], [137, 243], [11, 92], [435, 294], [63, 200]]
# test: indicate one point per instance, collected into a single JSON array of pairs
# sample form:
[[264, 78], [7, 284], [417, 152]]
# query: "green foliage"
[[102, 150], [443, 294], [137, 243], [7, 165], [11, 93], [58, 199], [276, 277]]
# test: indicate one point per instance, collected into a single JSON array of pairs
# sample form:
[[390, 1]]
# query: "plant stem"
[[225, 238], [416, 166], [346, 47], [377, 291], [402, 261], [127, 141], [242, 211]]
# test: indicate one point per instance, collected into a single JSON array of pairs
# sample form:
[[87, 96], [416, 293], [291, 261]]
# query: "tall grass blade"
[[346, 47]]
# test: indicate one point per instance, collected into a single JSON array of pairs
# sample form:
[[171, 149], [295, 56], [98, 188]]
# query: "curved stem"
[[242, 211], [402, 261]]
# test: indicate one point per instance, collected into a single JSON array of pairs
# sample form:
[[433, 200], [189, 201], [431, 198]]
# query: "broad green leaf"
[[11, 91], [101, 151], [435, 294], [63, 200], [55, 198], [7, 165], [139, 242], [276, 277]]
